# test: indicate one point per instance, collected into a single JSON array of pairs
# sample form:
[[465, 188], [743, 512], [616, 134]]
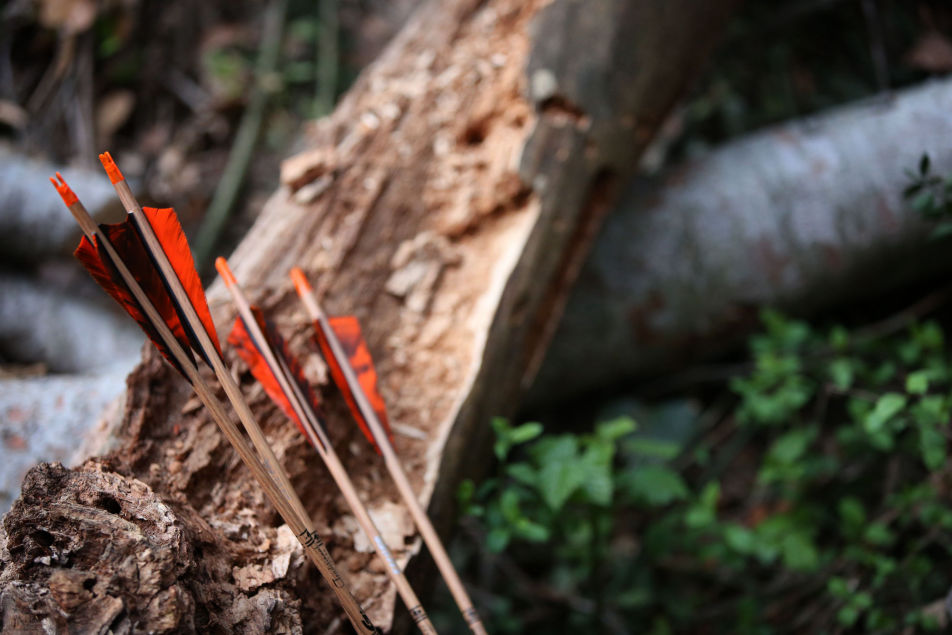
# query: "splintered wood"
[[447, 203], [412, 216]]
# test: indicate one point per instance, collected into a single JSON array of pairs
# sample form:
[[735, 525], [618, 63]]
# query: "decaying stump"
[[448, 202], [90, 551]]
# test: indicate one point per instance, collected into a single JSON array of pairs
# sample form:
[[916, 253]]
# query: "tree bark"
[[807, 216], [448, 203]]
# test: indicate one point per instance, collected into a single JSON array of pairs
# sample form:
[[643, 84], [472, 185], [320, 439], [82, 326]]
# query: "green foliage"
[[832, 497], [931, 196]]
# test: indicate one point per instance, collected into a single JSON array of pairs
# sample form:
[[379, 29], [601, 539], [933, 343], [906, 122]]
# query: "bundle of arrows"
[[145, 264]]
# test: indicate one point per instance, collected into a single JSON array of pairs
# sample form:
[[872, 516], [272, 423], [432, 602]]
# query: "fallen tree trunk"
[[448, 202], [806, 216], [31, 328], [32, 223]]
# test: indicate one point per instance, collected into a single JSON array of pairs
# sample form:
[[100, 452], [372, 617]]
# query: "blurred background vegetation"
[[801, 486]]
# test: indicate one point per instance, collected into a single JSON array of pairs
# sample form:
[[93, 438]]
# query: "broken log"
[[41, 323], [807, 216], [448, 202], [32, 224]]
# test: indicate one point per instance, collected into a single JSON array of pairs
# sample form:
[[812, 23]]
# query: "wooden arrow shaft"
[[318, 438], [282, 497], [422, 521]]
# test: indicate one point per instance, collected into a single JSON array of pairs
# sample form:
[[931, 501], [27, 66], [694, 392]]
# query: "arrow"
[[145, 294], [267, 355], [349, 382]]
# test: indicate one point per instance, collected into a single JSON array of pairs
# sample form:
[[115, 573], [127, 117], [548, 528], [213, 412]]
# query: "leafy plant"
[[823, 510], [931, 196]]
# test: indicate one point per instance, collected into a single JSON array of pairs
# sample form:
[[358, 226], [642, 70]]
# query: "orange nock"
[[222, 265], [67, 194], [111, 168], [300, 281]]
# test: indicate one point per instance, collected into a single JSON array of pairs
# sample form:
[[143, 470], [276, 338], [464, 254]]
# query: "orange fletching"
[[125, 240], [167, 229], [249, 352], [347, 329]]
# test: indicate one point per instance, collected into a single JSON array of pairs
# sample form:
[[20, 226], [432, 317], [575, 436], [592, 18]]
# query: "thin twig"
[[328, 57], [877, 47], [247, 137], [903, 318]]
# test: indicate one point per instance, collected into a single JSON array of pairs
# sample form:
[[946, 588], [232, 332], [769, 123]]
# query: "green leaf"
[[799, 552], [558, 475], [847, 616], [917, 383], [739, 538], [507, 437], [863, 600], [616, 428], [924, 164], [838, 587], [501, 428], [878, 534], [523, 473], [466, 495], [596, 468], [497, 539], [652, 448], [465, 491], [509, 506], [924, 202], [703, 513], [790, 447], [525, 432], [841, 372], [839, 338], [557, 449], [932, 446], [929, 336], [852, 515], [656, 485], [884, 372], [784, 332], [887, 407], [531, 531]]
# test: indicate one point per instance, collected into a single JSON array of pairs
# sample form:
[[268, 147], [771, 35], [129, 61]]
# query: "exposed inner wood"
[[448, 203]]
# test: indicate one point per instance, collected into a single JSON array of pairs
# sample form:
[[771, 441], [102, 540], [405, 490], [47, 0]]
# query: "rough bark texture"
[[806, 216], [89, 551], [448, 203]]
